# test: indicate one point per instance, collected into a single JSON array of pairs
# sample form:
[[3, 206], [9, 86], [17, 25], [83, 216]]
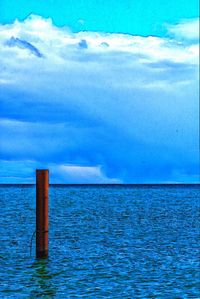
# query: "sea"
[[105, 241]]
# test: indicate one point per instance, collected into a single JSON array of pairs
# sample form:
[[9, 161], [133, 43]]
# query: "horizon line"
[[103, 184]]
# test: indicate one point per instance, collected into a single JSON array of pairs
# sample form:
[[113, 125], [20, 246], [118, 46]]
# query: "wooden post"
[[42, 186]]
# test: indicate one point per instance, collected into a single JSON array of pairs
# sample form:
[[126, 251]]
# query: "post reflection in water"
[[42, 280]]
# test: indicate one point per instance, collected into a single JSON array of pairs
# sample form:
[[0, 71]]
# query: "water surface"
[[104, 242]]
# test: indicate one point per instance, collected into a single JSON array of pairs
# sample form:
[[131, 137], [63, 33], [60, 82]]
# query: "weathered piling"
[[42, 186]]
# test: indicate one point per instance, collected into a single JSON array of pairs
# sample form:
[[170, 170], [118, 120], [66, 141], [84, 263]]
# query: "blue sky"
[[99, 91], [138, 17]]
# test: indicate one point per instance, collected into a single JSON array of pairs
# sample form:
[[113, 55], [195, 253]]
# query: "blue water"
[[104, 242]]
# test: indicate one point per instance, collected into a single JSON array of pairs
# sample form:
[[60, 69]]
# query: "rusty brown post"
[[42, 186]]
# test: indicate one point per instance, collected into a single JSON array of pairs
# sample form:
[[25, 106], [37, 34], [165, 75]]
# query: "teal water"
[[104, 242]]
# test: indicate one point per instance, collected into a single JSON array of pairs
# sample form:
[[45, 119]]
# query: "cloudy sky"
[[99, 91]]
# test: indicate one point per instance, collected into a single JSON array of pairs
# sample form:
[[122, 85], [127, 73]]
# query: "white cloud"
[[61, 43], [116, 105], [82, 174], [188, 29], [24, 171]]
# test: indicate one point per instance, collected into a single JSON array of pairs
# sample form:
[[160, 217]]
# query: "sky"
[[99, 91]]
